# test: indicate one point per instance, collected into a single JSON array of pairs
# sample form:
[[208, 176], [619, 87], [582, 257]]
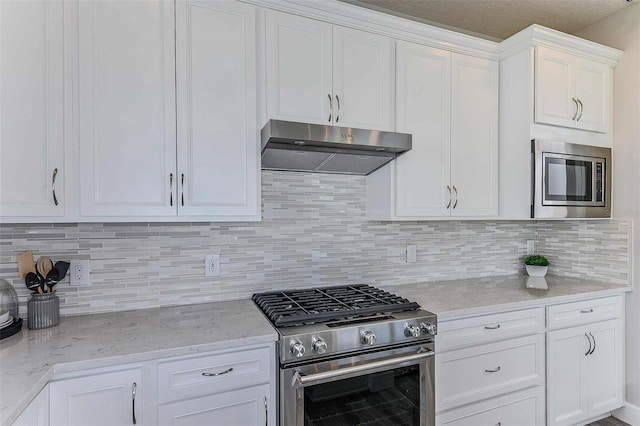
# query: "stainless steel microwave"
[[570, 181]]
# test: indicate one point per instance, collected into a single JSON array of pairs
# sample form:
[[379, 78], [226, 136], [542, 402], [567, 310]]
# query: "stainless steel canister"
[[43, 310]]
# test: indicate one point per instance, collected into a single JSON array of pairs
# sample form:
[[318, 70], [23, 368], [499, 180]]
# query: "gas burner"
[[299, 307]]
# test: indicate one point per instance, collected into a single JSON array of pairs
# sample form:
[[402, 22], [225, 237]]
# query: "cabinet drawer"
[[584, 312], [471, 374], [524, 408], [213, 373], [489, 328]]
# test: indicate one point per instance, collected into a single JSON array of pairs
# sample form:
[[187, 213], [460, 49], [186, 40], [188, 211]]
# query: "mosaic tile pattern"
[[314, 232]]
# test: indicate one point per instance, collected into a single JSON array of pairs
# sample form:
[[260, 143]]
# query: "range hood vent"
[[306, 147]]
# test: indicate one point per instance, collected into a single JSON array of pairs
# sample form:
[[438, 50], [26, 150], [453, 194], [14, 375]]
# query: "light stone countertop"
[[477, 296], [30, 358]]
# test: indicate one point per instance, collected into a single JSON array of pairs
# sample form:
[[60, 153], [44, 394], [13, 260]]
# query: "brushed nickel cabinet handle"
[[330, 108], [494, 327], [455, 204], [581, 110], [228, 370], [53, 186], [449, 189], [171, 189], [589, 340], [338, 116], [182, 189], [576, 113], [495, 370], [586, 311], [594, 344], [133, 400], [266, 412]]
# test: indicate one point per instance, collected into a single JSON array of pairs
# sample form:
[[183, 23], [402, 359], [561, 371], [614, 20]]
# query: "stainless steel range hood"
[[306, 147]]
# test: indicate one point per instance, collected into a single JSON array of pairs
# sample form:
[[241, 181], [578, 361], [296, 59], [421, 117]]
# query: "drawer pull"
[[495, 327], [495, 370], [594, 344], [586, 311], [228, 370]]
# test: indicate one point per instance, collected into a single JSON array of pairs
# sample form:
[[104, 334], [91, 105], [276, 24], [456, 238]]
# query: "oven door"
[[394, 387]]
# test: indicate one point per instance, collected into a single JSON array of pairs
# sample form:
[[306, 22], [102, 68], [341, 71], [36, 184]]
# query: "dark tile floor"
[[609, 421]]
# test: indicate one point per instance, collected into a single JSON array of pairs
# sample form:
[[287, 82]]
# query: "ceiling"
[[499, 19]]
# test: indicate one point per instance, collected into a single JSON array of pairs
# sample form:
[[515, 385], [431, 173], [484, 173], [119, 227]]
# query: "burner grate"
[[298, 307]]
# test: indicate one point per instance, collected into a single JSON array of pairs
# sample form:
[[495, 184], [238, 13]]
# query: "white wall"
[[622, 31]]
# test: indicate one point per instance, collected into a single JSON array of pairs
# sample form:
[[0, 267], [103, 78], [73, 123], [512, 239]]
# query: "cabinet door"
[[99, 400], [474, 136], [246, 407], [37, 413], [423, 101], [605, 367], [593, 92], [127, 108], [554, 88], [217, 134], [567, 376], [298, 55], [31, 109], [362, 79]]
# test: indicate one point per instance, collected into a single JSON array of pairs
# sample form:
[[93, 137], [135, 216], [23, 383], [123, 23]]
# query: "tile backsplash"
[[314, 232]]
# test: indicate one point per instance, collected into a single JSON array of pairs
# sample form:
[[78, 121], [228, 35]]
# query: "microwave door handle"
[[301, 379]]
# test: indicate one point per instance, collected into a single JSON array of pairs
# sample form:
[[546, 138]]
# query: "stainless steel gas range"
[[352, 355]]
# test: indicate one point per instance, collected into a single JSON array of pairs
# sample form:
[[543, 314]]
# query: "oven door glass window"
[[568, 180], [389, 397]]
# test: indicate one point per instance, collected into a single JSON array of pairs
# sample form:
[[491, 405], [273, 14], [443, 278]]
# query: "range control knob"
[[412, 330], [297, 348], [319, 346], [429, 328], [367, 337]]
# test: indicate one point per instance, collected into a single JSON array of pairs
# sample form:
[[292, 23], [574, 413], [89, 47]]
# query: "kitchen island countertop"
[[29, 359]]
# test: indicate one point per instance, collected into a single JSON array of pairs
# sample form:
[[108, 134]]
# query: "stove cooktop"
[[319, 305]]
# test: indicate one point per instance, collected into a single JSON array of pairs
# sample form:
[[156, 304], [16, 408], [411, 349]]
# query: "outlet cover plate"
[[80, 273], [212, 265]]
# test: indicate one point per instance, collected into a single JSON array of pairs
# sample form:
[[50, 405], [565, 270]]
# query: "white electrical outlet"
[[411, 253], [212, 265], [531, 247], [79, 271]]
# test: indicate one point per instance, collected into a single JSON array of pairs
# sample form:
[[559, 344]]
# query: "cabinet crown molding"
[[537, 35], [348, 15]]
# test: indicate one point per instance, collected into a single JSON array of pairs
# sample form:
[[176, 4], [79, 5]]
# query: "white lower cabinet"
[[584, 372], [37, 413], [229, 387], [246, 407], [102, 399], [524, 408], [490, 369]]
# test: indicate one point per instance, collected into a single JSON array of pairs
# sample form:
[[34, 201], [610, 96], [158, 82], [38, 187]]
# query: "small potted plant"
[[536, 265]]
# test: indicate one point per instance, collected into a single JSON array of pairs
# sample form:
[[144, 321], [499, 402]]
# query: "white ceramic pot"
[[536, 271]]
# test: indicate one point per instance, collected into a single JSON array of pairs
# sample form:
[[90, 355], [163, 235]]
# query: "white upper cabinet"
[[218, 144], [423, 102], [362, 79], [449, 103], [474, 136], [127, 108], [571, 91], [325, 74], [299, 68], [32, 161]]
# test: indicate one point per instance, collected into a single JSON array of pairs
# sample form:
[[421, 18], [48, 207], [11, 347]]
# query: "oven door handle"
[[301, 379]]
